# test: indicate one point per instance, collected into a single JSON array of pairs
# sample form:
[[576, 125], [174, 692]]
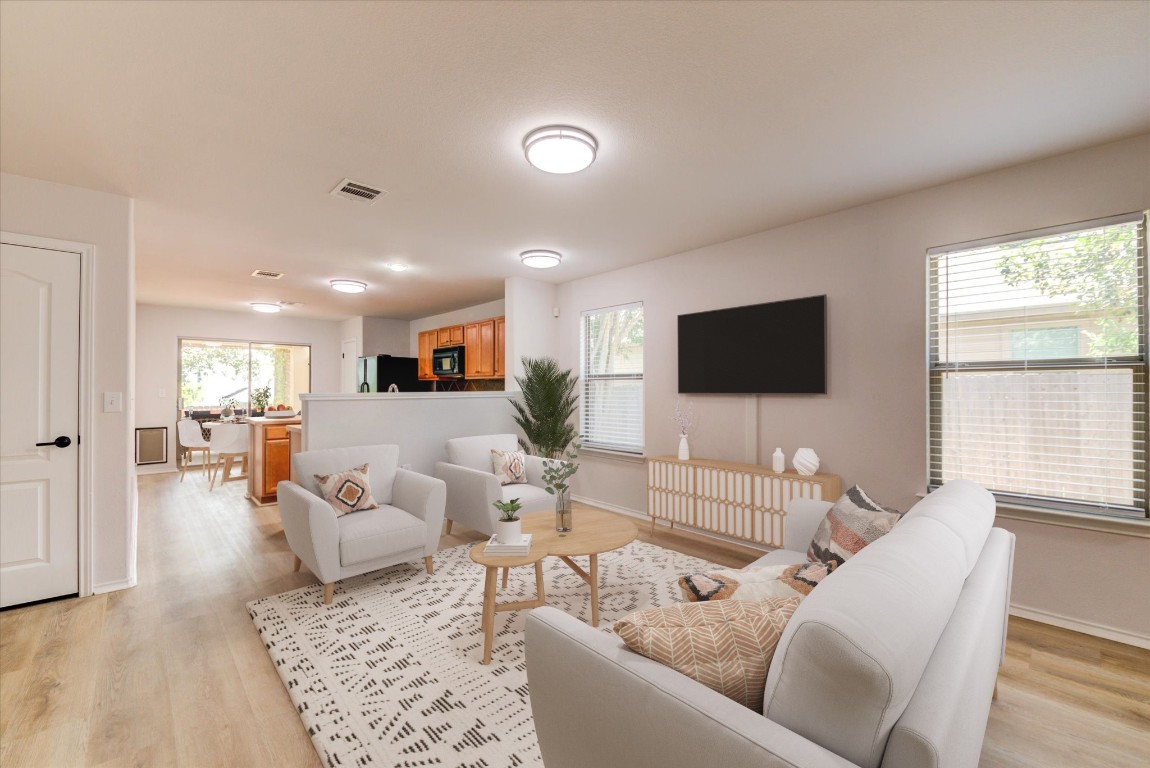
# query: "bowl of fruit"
[[279, 411]]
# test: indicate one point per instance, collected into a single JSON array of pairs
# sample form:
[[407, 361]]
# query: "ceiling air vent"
[[353, 190], [268, 273]]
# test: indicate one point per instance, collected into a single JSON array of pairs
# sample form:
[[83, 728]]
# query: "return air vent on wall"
[[268, 273], [353, 190]]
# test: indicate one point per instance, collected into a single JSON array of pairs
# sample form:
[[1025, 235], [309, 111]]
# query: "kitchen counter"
[[270, 457]]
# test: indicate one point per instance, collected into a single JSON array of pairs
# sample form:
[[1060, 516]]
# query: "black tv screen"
[[775, 348]]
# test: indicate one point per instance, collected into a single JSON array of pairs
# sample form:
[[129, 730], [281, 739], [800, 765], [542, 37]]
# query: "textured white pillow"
[[510, 466]]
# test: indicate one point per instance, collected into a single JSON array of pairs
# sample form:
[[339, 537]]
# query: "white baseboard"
[[159, 470], [1085, 627], [113, 586], [610, 507]]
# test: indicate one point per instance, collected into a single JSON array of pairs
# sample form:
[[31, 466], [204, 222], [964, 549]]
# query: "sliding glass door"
[[214, 374]]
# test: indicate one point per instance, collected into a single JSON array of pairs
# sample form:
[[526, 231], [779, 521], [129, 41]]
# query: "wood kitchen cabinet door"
[[427, 343], [452, 336], [277, 463], [479, 349], [500, 347]]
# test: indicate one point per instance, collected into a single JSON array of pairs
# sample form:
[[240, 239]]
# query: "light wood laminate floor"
[[172, 672]]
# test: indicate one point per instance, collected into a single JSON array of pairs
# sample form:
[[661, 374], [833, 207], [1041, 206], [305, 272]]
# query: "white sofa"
[[889, 663], [472, 486]]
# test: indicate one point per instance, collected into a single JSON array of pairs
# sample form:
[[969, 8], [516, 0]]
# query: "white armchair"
[[472, 485], [405, 526]]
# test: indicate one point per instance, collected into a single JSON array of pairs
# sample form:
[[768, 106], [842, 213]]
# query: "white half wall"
[[159, 329], [531, 324], [420, 424], [871, 428], [56, 211]]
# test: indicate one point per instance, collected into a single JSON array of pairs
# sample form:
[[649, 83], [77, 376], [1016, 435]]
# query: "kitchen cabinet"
[[500, 346], [479, 349], [452, 336], [428, 340], [483, 345], [270, 457]]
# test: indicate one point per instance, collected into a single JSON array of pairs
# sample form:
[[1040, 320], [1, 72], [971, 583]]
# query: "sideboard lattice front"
[[744, 501]]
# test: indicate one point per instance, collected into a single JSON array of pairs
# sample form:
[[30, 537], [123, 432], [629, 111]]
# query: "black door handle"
[[63, 441]]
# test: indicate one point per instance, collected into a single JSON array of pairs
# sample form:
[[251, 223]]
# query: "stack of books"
[[499, 548]]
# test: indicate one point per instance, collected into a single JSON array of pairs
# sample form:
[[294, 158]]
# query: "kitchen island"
[[269, 457]]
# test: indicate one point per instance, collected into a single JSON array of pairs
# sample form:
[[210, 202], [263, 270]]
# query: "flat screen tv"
[[775, 348]]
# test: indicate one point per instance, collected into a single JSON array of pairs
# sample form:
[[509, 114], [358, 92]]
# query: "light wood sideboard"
[[743, 501]]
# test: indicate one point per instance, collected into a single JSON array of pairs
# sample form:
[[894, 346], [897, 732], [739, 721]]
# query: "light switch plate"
[[113, 402]]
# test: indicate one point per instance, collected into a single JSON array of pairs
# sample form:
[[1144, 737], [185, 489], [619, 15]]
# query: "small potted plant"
[[228, 406], [507, 527], [260, 399], [557, 474]]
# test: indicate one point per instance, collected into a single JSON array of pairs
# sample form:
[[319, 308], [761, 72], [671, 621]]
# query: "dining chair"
[[191, 439], [230, 442]]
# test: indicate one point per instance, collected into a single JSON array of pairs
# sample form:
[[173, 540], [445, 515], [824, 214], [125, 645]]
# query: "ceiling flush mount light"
[[265, 306], [541, 259], [560, 149], [349, 286], [397, 267]]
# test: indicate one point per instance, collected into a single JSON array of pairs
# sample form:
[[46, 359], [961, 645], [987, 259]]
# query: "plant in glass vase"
[[508, 527], [556, 474]]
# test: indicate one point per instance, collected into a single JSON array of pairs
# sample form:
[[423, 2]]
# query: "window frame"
[[1138, 364], [586, 379], [181, 406]]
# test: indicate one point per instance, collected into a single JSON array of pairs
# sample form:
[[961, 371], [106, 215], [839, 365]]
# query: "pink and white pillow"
[[510, 467]]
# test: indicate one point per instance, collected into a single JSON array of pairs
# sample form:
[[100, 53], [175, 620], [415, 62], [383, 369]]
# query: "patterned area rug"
[[389, 674]]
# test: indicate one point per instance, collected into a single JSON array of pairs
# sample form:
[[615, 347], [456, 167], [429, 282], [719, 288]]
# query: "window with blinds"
[[612, 368], [1038, 366]]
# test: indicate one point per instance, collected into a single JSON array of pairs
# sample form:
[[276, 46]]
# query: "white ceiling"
[[230, 122]]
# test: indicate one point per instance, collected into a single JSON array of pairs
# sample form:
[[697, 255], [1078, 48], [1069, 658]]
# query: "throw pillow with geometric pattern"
[[510, 466], [347, 491], [853, 522], [725, 645], [753, 583]]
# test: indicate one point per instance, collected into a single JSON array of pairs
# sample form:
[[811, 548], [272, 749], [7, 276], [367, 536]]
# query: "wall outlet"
[[163, 393]]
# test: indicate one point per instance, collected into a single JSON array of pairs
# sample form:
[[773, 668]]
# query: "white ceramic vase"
[[684, 449], [806, 461], [508, 533]]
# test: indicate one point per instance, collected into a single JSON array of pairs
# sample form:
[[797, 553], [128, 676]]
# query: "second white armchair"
[[472, 485]]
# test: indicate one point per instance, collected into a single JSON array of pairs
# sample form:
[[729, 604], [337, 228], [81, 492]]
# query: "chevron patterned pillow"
[[726, 645]]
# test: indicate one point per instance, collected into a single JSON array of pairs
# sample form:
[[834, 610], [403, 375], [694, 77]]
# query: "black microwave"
[[448, 361]]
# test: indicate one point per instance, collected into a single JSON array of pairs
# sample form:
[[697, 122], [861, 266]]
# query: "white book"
[[494, 547]]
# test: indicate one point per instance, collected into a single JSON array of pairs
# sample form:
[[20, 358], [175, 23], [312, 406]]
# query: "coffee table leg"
[[539, 596], [488, 613], [506, 571], [593, 572]]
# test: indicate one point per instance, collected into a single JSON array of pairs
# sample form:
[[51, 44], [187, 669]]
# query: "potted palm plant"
[[544, 411], [508, 527]]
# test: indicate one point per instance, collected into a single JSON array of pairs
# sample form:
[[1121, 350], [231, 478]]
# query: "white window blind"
[[612, 363], [1038, 366]]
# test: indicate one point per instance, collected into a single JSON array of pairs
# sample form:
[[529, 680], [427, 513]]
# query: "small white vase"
[[508, 533], [778, 461], [806, 461], [684, 449]]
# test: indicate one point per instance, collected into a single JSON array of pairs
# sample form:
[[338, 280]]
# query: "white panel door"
[[39, 402], [349, 356]]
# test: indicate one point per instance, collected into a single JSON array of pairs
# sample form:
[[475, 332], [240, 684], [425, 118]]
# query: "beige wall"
[[157, 351], [56, 211], [530, 328], [871, 427]]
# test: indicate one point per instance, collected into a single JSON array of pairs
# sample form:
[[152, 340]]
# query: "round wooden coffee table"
[[594, 531]]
